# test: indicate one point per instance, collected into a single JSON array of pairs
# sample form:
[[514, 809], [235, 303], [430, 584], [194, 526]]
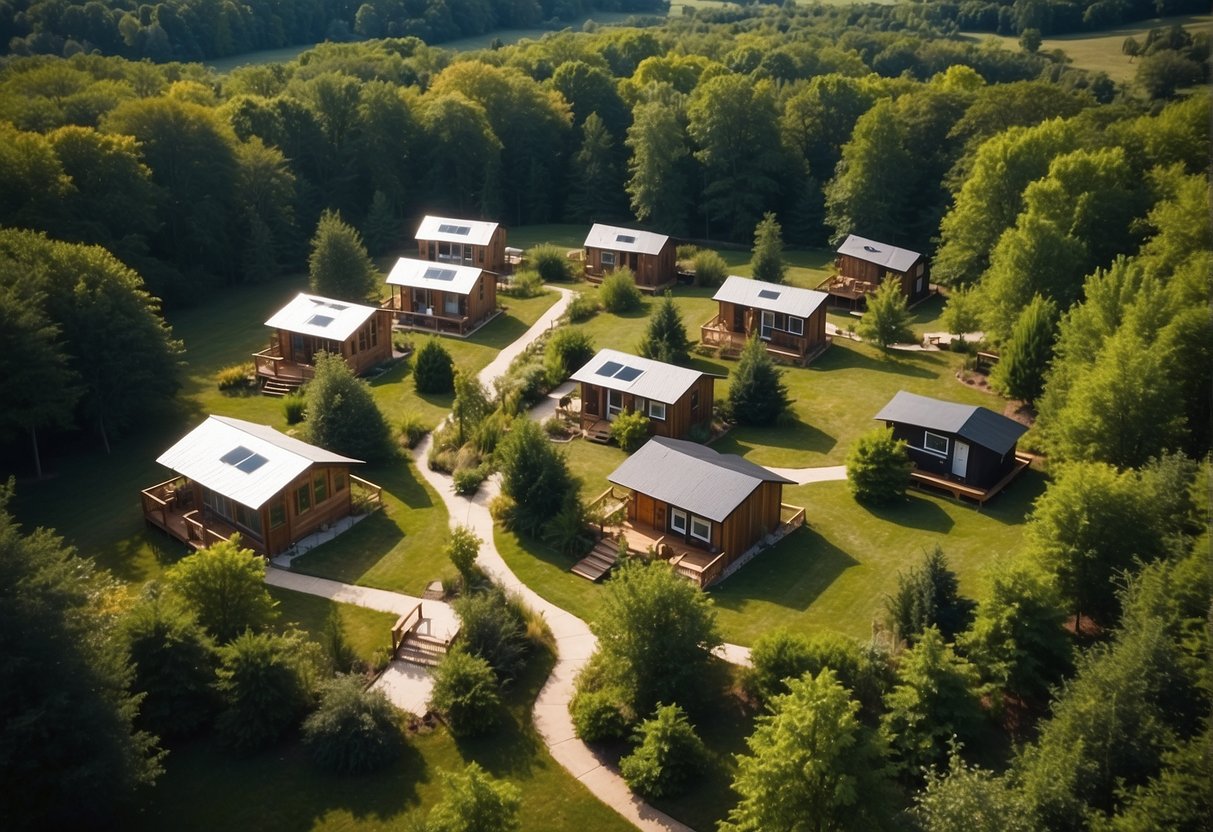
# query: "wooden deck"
[[715, 333], [846, 291], [960, 491], [277, 375], [163, 508]]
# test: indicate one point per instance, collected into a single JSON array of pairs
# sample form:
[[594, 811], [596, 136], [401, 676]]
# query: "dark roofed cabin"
[[651, 257], [235, 476], [462, 242], [675, 399], [965, 449], [863, 264], [701, 510], [790, 321], [361, 335]]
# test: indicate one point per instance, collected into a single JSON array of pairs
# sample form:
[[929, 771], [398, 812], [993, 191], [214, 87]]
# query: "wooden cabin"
[[651, 257], [965, 449], [674, 398], [233, 476], [473, 243], [699, 509], [441, 297], [862, 264], [791, 321], [361, 335]]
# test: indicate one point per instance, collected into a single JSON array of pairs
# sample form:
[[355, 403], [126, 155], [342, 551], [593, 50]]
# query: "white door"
[[614, 404], [960, 459], [768, 324]]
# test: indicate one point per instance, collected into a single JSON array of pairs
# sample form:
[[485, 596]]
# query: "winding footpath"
[[574, 641]]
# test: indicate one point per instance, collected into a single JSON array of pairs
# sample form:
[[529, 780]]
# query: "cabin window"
[[480, 284], [450, 304], [919, 269], [303, 498], [362, 335], [701, 529], [694, 401], [249, 519], [433, 251], [374, 330], [320, 487], [217, 503], [795, 325], [277, 515], [934, 443], [338, 482], [767, 326], [608, 259], [678, 520], [479, 255], [657, 411], [918, 285]]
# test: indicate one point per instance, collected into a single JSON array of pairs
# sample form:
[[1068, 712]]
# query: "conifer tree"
[[339, 266], [767, 263], [666, 339], [757, 395], [381, 226], [887, 319], [1020, 372], [342, 415]]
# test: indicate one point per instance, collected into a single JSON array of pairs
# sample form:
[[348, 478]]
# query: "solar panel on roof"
[[628, 374], [609, 369], [461, 230], [235, 455], [435, 273], [768, 294], [319, 320], [252, 463], [625, 238], [339, 307]]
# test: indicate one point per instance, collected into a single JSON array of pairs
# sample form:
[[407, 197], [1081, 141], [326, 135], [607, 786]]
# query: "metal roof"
[[882, 254], [642, 377], [243, 461], [424, 274], [970, 422], [613, 238], [322, 317], [448, 230], [773, 297], [692, 477]]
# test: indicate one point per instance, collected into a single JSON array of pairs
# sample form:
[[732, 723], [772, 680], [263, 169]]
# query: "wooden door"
[[960, 459]]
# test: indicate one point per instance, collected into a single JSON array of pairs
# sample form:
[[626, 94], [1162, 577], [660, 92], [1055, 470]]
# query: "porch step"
[[422, 649], [600, 433], [598, 562], [274, 387]]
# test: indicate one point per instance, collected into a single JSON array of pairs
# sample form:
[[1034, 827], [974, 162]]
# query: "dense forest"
[[1066, 215]]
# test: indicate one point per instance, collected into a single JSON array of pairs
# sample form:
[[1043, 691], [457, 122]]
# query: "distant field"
[[1098, 51]]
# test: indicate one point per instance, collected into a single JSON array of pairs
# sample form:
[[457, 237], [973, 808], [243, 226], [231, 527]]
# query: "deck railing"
[[703, 576], [425, 320], [715, 334], [404, 625], [791, 516], [609, 508], [269, 363], [368, 491]]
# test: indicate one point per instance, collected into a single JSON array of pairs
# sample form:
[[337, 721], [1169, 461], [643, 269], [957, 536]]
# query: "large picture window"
[[303, 498], [795, 325], [934, 443], [320, 487], [608, 259], [701, 529], [657, 411]]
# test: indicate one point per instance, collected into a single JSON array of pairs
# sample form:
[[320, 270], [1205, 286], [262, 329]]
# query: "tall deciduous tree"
[[767, 261], [962, 314], [1021, 368], [666, 338], [812, 765], [224, 585], [757, 393], [71, 753], [969, 799], [871, 185], [339, 266], [657, 184], [342, 415], [887, 319]]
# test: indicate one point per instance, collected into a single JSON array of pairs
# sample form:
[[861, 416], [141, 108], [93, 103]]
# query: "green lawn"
[[367, 633]]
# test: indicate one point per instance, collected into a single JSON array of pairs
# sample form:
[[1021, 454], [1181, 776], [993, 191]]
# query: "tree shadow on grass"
[[792, 574], [796, 437], [914, 511], [910, 364]]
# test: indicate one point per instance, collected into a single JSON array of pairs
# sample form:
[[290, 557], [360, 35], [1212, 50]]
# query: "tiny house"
[[675, 399], [441, 297], [651, 257], [361, 335], [473, 243], [863, 264], [238, 477], [790, 321]]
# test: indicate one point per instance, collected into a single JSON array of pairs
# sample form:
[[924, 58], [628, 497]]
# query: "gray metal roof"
[[692, 477], [243, 461], [448, 230], [613, 238], [970, 422], [424, 274], [321, 317], [642, 377], [773, 297], [882, 254]]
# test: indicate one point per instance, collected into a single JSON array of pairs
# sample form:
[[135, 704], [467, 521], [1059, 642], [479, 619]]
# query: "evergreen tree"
[[433, 368], [381, 226], [887, 319], [928, 596], [266, 683], [878, 467], [757, 394], [595, 186], [342, 415], [534, 475], [339, 266], [1021, 368], [767, 261], [666, 339]]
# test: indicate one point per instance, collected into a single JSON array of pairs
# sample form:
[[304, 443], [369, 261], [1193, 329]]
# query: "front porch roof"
[[442, 277], [692, 477], [245, 462], [638, 376], [772, 297], [335, 320]]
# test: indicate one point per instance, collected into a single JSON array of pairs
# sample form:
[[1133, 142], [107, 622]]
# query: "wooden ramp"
[[599, 561]]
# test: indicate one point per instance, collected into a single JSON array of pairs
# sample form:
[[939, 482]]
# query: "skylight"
[[628, 374], [461, 230], [613, 369], [609, 369], [319, 320], [625, 238], [243, 459], [435, 273], [768, 294]]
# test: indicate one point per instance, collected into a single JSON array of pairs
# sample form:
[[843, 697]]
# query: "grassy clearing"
[[366, 632]]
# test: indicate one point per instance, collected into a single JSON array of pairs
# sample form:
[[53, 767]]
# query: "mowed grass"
[[367, 633], [1101, 51]]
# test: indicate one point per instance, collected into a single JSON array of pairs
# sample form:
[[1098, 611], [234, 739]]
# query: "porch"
[[717, 333], [959, 490], [847, 291], [277, 375]]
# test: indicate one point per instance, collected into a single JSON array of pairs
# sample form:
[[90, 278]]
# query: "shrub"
[[552, 263], [402, 342], [493, 627], [556, 428], [668, 758], [462, 551], [465, 692], [887, 319], [354, 730], [490, 431], [666, 337], [568, 531], [236, 378], [618, 292], [567, 349], [265, 682], [412, 430], [581, 308], [433, 368], [710, 269], [472, 801], [294, 408], [630, 430], [224, 586], [523, 385], [467, 481], [534, 474], [686, 251], [780, 656], [598, 716], [342, 415], [524, 284], [878, 467], [700, 432], [503, 510]]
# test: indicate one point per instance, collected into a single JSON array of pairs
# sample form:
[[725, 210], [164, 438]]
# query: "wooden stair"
[[599, 432], [422, 649], [599, 561], [279, 388]]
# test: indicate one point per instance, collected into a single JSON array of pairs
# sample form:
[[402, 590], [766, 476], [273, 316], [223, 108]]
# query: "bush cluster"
[[618, 292]]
